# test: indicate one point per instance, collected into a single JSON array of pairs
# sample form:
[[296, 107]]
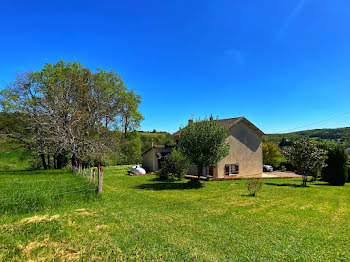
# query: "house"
[[244, 158], [152, 158]]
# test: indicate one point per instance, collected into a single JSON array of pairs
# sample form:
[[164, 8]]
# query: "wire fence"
[[31, 194], [93, 174]]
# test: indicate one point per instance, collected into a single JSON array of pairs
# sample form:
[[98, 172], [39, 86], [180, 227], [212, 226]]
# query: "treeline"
[[309, 158], [336, 136], [65, 112]]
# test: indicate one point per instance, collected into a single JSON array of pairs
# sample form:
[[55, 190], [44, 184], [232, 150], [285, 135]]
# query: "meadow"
[[143, 219]]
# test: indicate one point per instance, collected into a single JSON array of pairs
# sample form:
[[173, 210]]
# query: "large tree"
[[130, 119], [204, 143], [306, 157], [271, 154], [71, 109]]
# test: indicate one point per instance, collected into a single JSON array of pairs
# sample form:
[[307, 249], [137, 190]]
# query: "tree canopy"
[[203, 142], [306, 157], [271, 154], [71, 109]]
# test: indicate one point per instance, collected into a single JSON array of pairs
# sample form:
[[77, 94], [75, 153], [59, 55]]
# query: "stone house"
[[244, 158]]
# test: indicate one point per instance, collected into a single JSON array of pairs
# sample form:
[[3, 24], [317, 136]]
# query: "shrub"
[[254, 185], [287, 166], [162, 174], [174, 165], [336, 172]]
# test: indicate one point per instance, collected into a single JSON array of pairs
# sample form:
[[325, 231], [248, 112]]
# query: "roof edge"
[[158, 147], [239, 119]]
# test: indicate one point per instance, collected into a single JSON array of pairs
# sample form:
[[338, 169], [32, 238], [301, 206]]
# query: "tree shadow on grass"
[[170, 186], [286, 184]]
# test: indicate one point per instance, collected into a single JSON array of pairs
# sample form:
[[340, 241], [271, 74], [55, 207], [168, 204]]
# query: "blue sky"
[[281, 64]]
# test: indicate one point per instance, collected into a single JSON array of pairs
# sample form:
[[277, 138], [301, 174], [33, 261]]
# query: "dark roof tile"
[[229, 122]]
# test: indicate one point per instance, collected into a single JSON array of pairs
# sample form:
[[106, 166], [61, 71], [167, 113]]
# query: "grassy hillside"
[[142, 219], [340, 136], [13, 157]]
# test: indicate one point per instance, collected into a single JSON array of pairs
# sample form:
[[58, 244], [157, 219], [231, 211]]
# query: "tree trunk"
[[48, 160], [43, 161], [55, 161], [200, 172], [61, 160], [125, 138], [74, 160], [304, 180]]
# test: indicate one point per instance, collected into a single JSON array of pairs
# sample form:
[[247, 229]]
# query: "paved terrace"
[[274, 174]]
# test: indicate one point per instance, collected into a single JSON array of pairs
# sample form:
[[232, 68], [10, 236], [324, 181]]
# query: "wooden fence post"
[[100, 180], [93, 175]]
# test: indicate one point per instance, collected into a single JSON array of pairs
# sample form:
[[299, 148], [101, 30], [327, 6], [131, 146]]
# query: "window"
[[231, 169], [208, 171], [205, 171], [227, 170], [236, 168]]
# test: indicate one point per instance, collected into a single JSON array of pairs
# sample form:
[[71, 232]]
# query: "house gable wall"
[[149, 160], [245, 150]]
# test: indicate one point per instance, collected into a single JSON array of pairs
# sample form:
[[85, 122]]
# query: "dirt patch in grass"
[[28, 220], [98, 228], [59, 250], [84, 212], [306, 207], [37, 219]]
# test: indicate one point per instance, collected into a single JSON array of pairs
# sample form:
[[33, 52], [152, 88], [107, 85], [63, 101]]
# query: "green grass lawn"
[[142, 219]]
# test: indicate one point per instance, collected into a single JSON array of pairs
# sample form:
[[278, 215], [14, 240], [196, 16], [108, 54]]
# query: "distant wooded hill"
[[340, 136]]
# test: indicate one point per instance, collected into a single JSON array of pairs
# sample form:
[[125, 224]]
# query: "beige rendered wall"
[[149, 161], [245, 150]]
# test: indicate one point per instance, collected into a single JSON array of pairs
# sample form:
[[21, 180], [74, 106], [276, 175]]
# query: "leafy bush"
[[287, 166], [174, 165], [254, 185], [336, 171], [162, 174]]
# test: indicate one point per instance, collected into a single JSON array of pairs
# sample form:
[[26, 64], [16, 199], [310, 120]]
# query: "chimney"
[[211, 117]]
